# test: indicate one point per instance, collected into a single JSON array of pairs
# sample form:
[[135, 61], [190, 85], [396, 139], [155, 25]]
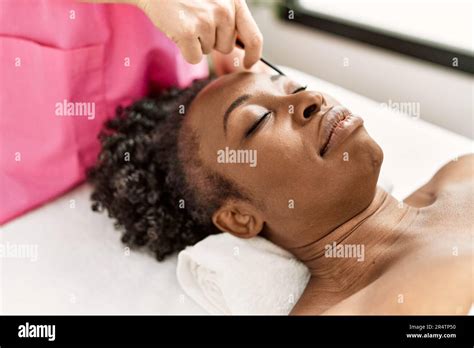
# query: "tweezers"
[[241, 45]]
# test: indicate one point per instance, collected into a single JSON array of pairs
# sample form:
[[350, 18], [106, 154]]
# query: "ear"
[[238, 218]]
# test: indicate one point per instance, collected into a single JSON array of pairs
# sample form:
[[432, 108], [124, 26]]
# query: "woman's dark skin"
[[418, 255]]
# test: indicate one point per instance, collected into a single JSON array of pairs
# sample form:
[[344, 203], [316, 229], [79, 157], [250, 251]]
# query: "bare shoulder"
[[435, 286], [458, 171], [419, 285]]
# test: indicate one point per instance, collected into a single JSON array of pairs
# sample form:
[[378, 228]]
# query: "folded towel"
[[229, 275]]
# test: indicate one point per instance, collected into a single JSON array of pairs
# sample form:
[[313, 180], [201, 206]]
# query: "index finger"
[[249, 33]]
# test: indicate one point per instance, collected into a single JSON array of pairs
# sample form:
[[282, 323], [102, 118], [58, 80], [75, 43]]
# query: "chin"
[[372, 159], [368, 153], [376, 156], [367, 161]]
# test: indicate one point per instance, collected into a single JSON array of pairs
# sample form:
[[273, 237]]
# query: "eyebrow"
[[235, 104]]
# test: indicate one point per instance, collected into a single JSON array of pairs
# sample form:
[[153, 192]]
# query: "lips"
[[337, 124]]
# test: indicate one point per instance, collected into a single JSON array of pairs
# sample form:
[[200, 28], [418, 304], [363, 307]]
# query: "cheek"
[[287, 172], [281, 157]]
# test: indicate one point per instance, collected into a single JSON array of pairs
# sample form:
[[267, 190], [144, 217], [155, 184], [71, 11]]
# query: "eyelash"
[[256, 124], [262, 118], [300, 89]]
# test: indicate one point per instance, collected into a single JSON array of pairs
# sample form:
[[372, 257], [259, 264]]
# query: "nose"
[[306, 105]]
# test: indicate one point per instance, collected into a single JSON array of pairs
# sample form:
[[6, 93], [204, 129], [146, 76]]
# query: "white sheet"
[[82, 266]]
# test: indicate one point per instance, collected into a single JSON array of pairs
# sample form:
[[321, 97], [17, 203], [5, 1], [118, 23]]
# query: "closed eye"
[[303, 88], [256, 124]]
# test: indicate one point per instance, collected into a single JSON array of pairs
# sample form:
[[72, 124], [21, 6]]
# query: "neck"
[[355, 253]]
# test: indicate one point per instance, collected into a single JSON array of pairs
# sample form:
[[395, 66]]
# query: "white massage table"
[[82, 266]]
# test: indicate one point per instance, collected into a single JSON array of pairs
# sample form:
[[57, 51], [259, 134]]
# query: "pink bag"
[[64, 68]]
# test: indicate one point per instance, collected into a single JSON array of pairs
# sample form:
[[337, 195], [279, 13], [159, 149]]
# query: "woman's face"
[[309, 172]]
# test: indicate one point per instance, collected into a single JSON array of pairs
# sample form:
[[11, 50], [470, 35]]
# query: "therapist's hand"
[[200, 26]]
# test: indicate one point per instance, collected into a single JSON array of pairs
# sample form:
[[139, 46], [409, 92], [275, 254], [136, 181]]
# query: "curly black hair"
[[150, 179]]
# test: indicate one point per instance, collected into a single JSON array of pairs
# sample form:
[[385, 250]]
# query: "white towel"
[[229, 275]]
